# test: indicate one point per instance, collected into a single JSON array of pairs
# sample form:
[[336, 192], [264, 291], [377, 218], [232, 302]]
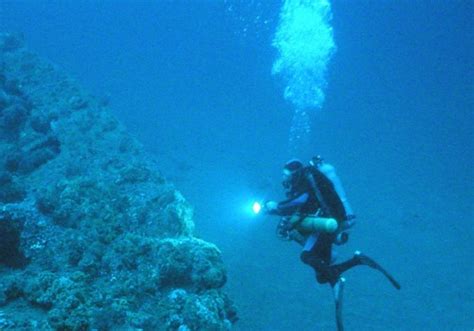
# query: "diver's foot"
[[365, 260]]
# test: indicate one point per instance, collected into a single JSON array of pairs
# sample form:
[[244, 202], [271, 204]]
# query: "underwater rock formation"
[[92, 236]]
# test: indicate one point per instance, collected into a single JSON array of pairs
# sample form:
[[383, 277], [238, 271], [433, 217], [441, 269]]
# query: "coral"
[[12, 161], [4, 100], [38, 154], [92, 236], [77, 102], [190, 262], [204, 312], [134, 173], [13, 117], [10, 289], [65, 298], [10, 190], [40, 123], [69, 202], [12, 87], [10, 251]]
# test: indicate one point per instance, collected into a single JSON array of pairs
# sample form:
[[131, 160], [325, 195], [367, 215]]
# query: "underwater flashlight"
[[257, 207]]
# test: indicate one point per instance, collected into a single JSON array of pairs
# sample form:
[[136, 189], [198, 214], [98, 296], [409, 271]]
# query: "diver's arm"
[[290, 206]]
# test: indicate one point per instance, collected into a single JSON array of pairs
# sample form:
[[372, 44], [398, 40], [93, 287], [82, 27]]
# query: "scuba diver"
[[317, 215]]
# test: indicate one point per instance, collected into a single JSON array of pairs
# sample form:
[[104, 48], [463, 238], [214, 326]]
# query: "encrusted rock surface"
[[92, 237]]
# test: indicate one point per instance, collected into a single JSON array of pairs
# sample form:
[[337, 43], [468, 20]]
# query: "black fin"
[[365, 260]]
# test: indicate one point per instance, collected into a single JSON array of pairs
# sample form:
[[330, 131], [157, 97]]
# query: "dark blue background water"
[[192, 81]]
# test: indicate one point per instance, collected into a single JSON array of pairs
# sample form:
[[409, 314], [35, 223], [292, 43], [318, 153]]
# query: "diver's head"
[[316, 161], [292, 173]]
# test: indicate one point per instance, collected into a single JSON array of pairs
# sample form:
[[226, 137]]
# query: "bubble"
[[253, 18], [305, 44]]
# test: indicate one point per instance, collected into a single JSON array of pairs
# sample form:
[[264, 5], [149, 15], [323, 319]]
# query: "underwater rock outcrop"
[[92, 236]]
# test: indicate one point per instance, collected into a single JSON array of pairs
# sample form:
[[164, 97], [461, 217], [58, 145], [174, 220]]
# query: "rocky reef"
[[92, 236]]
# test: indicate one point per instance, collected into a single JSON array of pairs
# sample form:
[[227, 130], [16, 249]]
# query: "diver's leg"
[[318, 255], [344, 266]]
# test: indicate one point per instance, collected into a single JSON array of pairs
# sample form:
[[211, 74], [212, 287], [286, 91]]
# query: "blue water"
[[193, 82]]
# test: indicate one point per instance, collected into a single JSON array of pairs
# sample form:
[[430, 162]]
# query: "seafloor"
[[91, 234]]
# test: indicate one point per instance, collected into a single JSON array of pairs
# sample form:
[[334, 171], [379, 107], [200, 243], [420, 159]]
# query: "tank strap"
[[319, 196]]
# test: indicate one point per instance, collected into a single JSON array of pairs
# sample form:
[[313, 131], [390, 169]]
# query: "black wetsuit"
[[314, 192]]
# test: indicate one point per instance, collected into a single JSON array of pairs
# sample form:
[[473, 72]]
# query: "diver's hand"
[[285, 225], [270, 206], [284, 229]]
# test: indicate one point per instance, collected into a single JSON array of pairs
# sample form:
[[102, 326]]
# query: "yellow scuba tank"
[[311, 223]]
